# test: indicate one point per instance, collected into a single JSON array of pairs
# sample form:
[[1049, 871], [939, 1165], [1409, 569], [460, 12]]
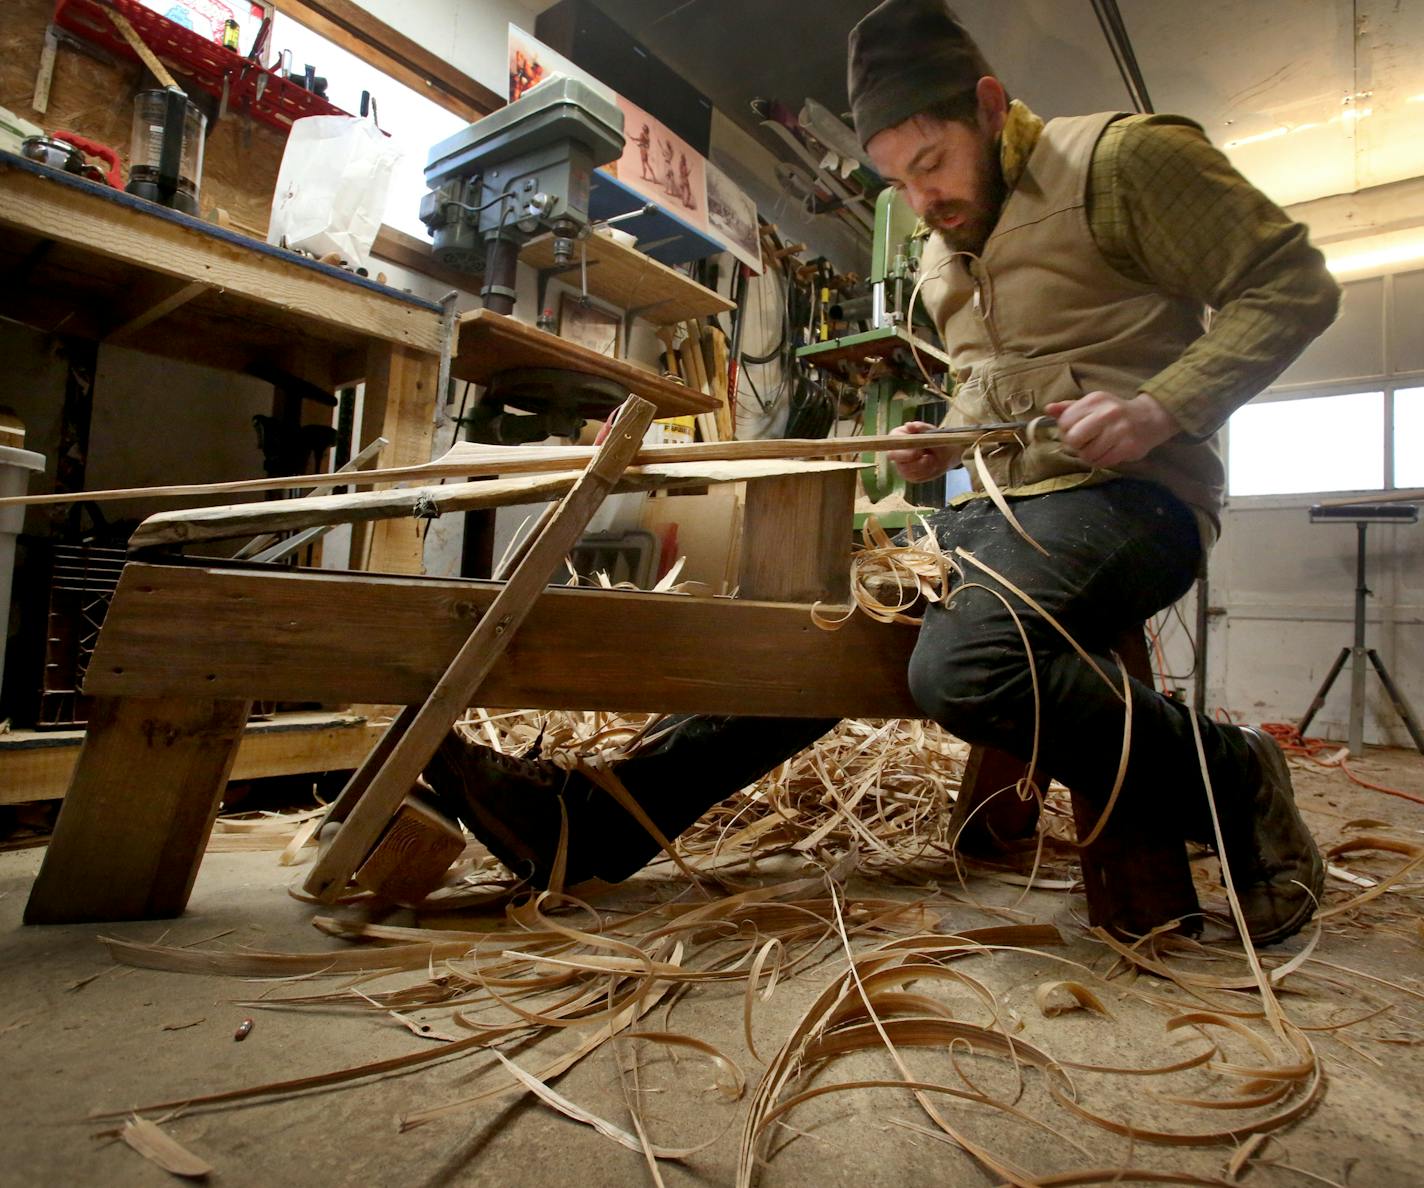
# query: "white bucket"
[[16, 466]]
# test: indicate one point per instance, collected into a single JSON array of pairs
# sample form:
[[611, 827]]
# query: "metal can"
[[231, 32]]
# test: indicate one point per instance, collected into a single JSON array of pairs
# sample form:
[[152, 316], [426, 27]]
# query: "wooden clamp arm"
[[455, 690]]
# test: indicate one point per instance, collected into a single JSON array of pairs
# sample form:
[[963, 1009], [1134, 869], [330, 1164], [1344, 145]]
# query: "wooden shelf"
[[36, 764], [104, 264], [490, 343], [628, 279]]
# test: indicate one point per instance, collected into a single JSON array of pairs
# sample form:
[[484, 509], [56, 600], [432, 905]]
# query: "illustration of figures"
[[684, 191], [523, 74], [645, 143], [669, 181]]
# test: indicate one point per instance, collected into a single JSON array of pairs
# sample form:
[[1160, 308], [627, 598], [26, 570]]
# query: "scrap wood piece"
[[455, 690], [411, 859], [157, 1147], [245, 519]]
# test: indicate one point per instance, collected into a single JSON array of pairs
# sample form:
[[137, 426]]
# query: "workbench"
[[84, 260]]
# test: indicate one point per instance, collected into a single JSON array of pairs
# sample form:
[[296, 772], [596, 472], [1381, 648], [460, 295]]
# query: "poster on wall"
[[732, 217], [532, 62], [656, 163], [661, 166]]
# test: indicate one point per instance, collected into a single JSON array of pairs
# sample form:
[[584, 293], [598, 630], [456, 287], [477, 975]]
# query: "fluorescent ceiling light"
[[1376, 253]]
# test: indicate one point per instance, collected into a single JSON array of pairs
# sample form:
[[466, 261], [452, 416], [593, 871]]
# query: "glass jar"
[[167, 149]]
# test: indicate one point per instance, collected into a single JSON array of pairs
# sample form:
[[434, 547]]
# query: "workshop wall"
[[1282, 588]]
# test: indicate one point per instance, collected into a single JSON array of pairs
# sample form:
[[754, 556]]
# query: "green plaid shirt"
[[1168, 209]]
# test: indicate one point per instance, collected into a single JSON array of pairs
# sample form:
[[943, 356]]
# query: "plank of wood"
[[280, 515], [357, 31], [457, 686], [726, 427], [310, 299], [44, 76], [370, 764], [140, 47], [399, 405], [796, 537], [699, 358], [417, 255], [625, 277], [490, 343], [309, 636], [411, 857], [38, 765], [151, 303], [138, 811], [467, 460]]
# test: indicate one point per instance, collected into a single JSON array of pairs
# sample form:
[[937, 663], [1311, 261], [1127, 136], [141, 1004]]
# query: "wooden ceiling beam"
[[373, 41]]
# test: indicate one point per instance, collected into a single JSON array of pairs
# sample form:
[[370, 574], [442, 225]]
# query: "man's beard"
[[978, 215]]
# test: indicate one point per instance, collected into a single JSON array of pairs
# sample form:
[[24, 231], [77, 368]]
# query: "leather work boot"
[[691, 763], [512, 805], [1275, 864]]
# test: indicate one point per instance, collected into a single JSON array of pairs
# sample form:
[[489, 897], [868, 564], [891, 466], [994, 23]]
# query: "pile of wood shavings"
[[892, 994], [885, 788]]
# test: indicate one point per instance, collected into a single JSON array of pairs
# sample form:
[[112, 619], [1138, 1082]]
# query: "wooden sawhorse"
[[187, 646]]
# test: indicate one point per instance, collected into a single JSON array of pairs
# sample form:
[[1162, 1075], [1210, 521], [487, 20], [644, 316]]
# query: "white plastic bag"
[[331, 189]]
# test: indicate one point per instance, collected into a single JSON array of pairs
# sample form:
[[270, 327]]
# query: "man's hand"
[[919, 466], [1106, 430]]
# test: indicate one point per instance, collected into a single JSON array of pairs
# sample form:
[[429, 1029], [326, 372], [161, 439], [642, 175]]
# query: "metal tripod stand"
[[1362, 516]]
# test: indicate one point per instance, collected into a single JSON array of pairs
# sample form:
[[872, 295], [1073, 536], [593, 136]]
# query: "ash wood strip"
[[625, 277], [465, 460], [486, 643], [490, 343], [247, 519], [139, 809], [173, 630], [109, 229]]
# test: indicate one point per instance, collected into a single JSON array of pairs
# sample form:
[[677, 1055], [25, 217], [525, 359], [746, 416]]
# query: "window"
[[414, 122], [1319, 443], [1409, 437]]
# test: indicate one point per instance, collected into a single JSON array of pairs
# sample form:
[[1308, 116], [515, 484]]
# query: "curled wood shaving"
[[1057, 998]]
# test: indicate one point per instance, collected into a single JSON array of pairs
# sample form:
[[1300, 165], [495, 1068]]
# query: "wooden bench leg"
[[1136, 873], [140, 806], [989, 816]]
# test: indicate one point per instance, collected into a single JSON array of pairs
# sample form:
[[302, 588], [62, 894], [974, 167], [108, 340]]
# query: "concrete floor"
[[78, 1033]]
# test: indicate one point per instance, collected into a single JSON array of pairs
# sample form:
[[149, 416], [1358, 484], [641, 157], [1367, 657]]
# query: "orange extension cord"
[[1286, 734]]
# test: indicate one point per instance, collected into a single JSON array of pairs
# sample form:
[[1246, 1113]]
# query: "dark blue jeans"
[[1118, 553]]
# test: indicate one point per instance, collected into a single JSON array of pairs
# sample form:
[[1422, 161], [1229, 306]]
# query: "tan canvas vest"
[[1041, 316]]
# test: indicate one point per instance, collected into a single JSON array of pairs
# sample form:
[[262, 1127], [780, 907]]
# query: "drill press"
[[890, 360], [522, 172]]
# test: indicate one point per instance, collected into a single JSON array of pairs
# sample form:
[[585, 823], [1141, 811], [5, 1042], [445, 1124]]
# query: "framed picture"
[[589, 325]]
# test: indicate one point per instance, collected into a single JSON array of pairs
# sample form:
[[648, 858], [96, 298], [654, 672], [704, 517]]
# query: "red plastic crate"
[[203, 62]]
